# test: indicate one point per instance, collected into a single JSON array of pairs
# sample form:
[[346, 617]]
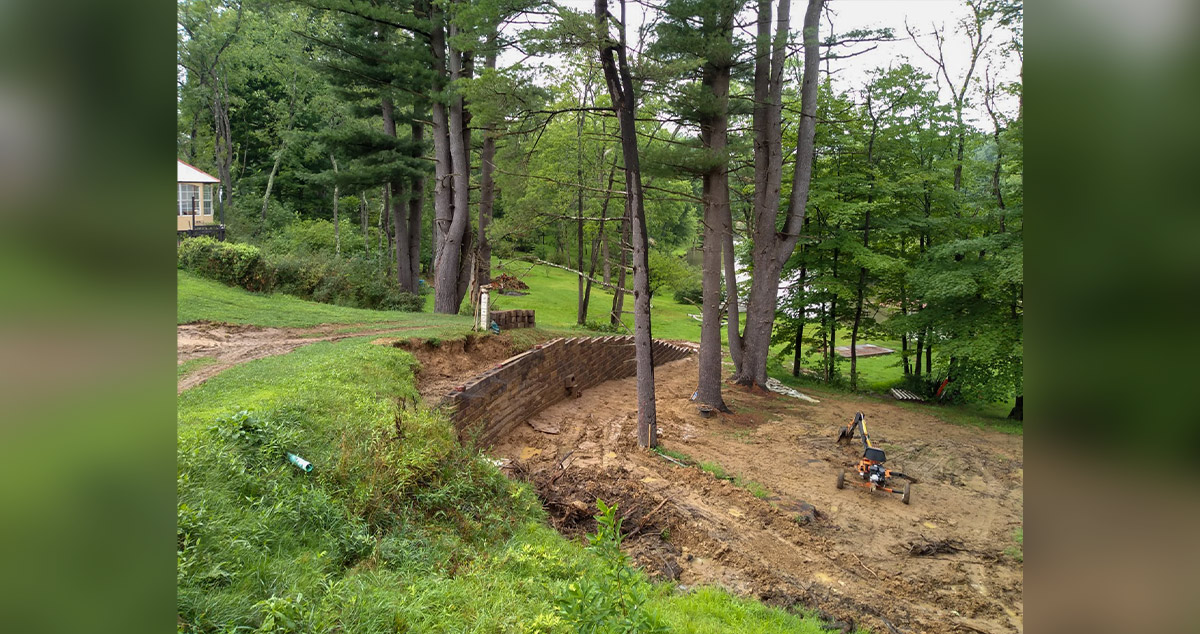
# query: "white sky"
[[847, 15]]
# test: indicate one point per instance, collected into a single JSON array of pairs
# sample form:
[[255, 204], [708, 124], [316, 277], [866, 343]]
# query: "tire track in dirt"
[[234, 344]]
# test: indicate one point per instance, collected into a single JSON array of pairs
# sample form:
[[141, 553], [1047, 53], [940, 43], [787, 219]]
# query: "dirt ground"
[[446, 364], [858, 557], [232, 344]]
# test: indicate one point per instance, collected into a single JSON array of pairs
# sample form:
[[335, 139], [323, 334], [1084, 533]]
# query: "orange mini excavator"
[[870, 469]]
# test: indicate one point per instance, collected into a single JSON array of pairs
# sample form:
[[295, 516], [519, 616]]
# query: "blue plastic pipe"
[[300, 463]]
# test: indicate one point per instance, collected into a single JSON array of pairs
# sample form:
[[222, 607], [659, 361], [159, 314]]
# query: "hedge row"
[[357, 281]]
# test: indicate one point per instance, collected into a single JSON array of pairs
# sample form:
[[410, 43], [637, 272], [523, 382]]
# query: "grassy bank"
[[554, 294], [200, 299], [396, 529]]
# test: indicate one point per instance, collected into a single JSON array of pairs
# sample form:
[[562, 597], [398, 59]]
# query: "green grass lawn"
[[200, 299], [192, 364], [554, 294], [397, 528]]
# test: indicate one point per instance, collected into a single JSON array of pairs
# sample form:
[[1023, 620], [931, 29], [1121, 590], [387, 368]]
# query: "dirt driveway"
[[227, 345], [861, 558]]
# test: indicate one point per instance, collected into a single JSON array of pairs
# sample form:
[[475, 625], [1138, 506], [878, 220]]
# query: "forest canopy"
[[800, 185]]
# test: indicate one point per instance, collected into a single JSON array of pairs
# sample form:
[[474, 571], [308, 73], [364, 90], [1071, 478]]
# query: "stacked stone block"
[[493, 402]]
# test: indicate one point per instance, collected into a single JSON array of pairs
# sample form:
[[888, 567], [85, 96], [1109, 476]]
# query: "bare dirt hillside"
[[861, 558]]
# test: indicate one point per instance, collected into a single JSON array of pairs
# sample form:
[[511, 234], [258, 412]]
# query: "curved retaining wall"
[[491, 403]]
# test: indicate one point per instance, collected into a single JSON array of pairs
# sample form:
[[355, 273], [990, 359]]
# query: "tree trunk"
[[1018, 410], [733, 330], [271, 180], [222, 141], [487, 188], [581, 305], [416, 206], [398, 201], [605, 257], [709, 390], [443, 200], [337, 234], [858, 309], [462, 174], [824, 338], [713, 135], [904, 335], [587, 290], [385, 239], [363, 212], [920, 349], [831, 365], [620, 88], [771, 248], [618, 308], [800, 324], [451, 190]]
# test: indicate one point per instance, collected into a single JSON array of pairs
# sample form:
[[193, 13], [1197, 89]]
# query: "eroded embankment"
[[937, 565]]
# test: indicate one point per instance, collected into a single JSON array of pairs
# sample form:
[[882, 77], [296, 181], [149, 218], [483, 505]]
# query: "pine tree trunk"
[[771, 247], [398, 200], [709, 390], [487, 189], [416, 206], [714, 135], [620, 88], [733, 329], [450, 190]]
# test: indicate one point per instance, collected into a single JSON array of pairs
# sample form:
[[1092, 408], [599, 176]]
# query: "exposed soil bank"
[[848, 553]]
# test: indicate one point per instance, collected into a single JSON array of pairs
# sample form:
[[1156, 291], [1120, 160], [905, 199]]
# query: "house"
[[195, 208]]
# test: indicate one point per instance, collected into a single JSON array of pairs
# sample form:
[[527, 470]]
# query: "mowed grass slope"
[[200, 299], [554, 294]]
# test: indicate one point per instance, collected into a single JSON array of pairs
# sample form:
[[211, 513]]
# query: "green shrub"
[[317, 237], [613, 601], [360, 281], [231, 263], [297, 275], [690, 293], [602, 326]]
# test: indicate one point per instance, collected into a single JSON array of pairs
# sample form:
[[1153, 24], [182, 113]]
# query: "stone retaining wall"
[[509, 319], [491, 403]]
